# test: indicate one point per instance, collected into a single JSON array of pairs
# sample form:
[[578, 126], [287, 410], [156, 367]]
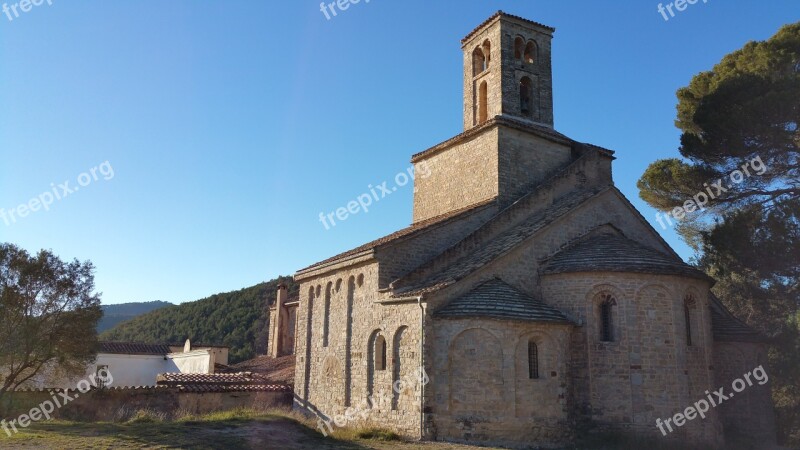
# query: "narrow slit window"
[[607, 320], [380, 353], [688, 305], [533, 360]]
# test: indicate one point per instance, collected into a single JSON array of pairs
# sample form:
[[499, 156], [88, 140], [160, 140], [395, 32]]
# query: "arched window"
[[519, 48], [487, 53], [525, 93], [478, 61], [483, 107], [688, 306], [380, 353], [607, 318], [530, 52], [533, 360]]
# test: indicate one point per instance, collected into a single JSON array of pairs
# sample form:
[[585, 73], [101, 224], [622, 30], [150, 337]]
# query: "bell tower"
[[507, 71]]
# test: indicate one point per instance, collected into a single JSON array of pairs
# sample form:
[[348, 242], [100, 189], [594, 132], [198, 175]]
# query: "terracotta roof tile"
[[276, 370], [172, 379], [236, 388], [220, 382]]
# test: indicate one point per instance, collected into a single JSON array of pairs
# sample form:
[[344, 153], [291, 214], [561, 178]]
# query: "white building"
[[138, 364]]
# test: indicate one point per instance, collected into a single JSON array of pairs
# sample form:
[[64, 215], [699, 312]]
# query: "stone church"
[[537, 299]]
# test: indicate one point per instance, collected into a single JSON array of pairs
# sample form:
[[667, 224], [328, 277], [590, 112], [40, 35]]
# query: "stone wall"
[[121, 403], [480, 387], [540, 71], [340, 321], [282, 332], [526, 160], [648, 371], [461, 175], [749, 413], [473, 79]]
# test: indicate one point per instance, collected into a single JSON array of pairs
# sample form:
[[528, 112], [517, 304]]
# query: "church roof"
[[405, 232], [409, 285], [498, 300], [612, 253], [727, 328]]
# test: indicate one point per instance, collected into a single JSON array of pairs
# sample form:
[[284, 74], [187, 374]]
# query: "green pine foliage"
[[238, 319], [113, 315], [747, 237]]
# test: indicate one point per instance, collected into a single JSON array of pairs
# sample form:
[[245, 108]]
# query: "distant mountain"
[[237, 319], [115, 314]]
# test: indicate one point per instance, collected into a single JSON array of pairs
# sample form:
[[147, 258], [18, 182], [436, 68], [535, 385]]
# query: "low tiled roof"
[[276, 370], [170, 379], [408, 231], [613, 253], [236, 388], [219, 382], [502, 244], [134, 348], [498, 300], [498, 14], [107, 388], [727, 328]]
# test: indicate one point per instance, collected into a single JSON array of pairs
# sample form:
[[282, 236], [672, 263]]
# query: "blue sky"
[[230, 125]]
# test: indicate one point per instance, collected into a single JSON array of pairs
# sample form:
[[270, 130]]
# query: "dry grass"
[[253, 429]]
